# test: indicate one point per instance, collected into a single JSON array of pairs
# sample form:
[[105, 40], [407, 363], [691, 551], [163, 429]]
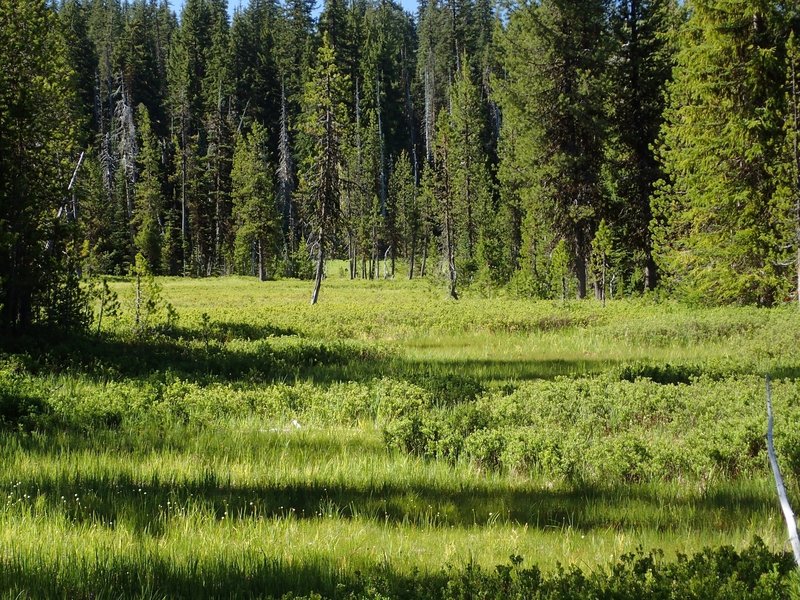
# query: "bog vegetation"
[[232, 440], [462, 180]]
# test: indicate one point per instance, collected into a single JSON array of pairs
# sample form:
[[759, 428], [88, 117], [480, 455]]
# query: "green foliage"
[[467, 168], [604, 431], [405, 202], [21, 407], [151, 313], [553, 113], [323, 122], [37, 156], [107, 299], [718, 232], [555, 431], [257, 223], [602, 257], [642, 56], [560, 270], [148, 196]]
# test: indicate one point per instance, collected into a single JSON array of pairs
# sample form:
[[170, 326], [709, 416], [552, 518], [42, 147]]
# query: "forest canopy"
[[559, 148]]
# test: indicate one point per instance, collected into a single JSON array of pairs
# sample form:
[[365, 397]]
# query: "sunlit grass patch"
[[260, 445]]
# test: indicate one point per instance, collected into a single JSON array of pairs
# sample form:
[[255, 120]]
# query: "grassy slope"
[[167, 462]]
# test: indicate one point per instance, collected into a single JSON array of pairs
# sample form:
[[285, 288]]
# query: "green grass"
[[167, 464]]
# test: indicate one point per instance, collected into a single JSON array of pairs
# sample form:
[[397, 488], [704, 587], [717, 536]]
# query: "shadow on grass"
[[755, 571], [149, 505], [233, 576], [265, 355]]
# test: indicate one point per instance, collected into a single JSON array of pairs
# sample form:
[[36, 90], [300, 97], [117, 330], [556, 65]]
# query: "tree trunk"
[[353, 259], [650, 272], [580, 263], [262, 271], [603, 281], [385, 268], [424, 264], [450, 251], [320, 265], [412, 255]]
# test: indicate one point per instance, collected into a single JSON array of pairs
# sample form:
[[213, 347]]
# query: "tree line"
[[559, 147]]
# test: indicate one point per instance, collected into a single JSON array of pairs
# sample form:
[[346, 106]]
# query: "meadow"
[[389, 442]]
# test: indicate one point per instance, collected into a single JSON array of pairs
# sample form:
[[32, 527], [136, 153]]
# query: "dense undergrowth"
[[260, 446]]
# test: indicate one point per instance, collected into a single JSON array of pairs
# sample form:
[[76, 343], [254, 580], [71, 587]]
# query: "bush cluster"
[[607, 429]]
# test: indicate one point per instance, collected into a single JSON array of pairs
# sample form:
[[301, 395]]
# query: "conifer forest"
[[561, 148], [551, 249]]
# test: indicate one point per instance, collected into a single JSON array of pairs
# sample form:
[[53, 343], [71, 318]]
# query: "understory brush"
[[607, 430]]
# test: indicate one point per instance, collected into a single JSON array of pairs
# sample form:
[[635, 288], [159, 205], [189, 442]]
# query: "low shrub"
[[723, 573], [601, 430]]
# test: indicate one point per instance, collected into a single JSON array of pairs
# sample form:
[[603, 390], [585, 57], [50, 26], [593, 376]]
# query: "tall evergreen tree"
[[719, 236], [148, 196], [792, 146], [217, 87], [82, 57], [472, 197], [435, 65], [324, 121], [639, 70], [254, 67], [442, 191], [139, 61], [554, 108], [286, 185], [38, 154], [405, 206], [256, 219]]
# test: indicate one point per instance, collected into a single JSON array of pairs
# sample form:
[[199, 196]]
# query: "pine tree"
[[286, 185], [640, 68], [294, 49], [138, 59], [554, 108], [82, 57], [324, 121], [253, 65], [405, 207], [442, 189], [793, 143], [217, 87], [787, 197], [719, 237], [148, 197], [257, 223], [472, 197], [38, 154], [198, 89], [435, 65]]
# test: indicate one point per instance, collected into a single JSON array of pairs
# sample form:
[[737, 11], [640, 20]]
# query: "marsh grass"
[[299, 510], [168, 465]]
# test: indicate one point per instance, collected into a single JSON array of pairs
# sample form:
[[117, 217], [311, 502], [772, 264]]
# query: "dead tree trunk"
[[320, 265]]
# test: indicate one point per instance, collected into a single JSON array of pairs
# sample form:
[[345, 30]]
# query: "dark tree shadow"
[[274, 355], [149, 505]]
